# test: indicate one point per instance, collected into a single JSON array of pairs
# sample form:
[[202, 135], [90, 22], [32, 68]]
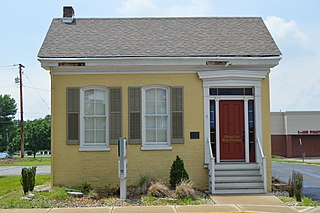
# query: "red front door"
[[231, 130]]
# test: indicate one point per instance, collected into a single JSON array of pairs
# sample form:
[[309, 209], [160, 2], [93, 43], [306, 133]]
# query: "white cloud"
[[285, 31], [295, 83], [193, 8], [138, 7]]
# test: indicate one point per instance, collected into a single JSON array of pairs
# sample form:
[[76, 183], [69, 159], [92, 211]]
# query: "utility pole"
[[21, 114]]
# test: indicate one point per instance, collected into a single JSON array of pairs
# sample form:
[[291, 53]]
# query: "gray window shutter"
[[115, 117], [177, 115], [73, 115], [134, 115]]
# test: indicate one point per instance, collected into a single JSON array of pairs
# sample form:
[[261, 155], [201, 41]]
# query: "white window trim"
[[148, 146], [94, 146]]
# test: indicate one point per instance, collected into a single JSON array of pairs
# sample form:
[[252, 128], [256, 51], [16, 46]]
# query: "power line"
[[8, 68], [46, 90], [13, 65], [40, 98], [7, 86], [38, 93]]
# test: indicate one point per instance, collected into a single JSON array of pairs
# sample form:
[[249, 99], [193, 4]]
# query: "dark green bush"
[[177, 172], [28, 179]]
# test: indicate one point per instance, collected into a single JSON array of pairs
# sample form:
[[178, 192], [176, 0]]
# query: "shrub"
[[85, 187], [297, 179], [290, 187], [185, 190], [177, 172], [28, 179], [159, 190], [144, 183]]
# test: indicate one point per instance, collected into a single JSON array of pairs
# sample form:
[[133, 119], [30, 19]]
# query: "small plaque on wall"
[[194, 135]]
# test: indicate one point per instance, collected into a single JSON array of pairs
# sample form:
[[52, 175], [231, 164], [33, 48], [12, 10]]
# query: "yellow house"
[[193, 87]]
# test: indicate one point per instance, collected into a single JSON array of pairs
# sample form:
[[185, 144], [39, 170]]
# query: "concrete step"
[[253, 185], [236, 166], [237, 173], [242, 179], [238, 191], [235, 178]]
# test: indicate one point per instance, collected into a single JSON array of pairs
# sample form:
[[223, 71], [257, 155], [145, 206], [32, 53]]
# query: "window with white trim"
[[156, 118], [93, 115]]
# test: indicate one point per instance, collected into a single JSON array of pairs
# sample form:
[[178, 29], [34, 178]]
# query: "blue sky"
[[295, 26]]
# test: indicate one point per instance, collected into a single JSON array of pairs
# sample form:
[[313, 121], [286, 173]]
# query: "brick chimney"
[[68, 14]]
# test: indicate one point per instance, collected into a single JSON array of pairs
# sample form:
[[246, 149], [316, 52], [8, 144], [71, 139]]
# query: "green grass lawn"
[[27, 161], [11, 184]]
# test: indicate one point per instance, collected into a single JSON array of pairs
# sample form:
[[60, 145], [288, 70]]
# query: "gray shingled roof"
[[158, 37]]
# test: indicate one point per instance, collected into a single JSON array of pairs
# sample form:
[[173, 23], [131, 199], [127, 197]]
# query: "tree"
[[8, 109], [15, 139], [37, 134]]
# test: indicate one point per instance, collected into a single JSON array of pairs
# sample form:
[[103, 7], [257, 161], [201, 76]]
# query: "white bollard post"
[[122, 167]]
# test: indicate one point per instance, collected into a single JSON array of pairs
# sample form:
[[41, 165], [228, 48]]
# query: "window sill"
[[94, 148], [146, 148]]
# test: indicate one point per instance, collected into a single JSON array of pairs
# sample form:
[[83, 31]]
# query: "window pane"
[[89, 136], [88, 102], [213, 91], [151, 135], [100, 108], [151, 122], [162, 122], [100, 123], [150, 108], [88, 123], [100, 136], [162, 136], [161, 108], [248, 91], [100, 102], [161, 95], [230, 91], [150, 95]]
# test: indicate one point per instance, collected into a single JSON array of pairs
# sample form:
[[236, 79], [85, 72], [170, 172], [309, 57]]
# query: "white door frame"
[[226, 79], [217, 100]]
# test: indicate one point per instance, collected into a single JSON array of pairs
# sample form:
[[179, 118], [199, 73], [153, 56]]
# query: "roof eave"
[[265, 61]]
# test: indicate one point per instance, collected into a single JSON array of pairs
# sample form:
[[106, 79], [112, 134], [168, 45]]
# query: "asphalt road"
[[311, 177], [16, 170]]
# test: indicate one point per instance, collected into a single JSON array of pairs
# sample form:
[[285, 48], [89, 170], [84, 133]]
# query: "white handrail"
[[261, 160], [211, 168]]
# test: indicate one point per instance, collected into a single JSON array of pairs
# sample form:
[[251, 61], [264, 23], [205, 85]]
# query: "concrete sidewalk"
[[224, 203]]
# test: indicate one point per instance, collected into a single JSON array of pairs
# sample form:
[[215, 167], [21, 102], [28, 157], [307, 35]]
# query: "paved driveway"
[[16, 170], [311, 177]]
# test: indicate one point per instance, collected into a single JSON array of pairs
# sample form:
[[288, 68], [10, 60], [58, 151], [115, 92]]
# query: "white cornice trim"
[[267, 62], [157, 58], [232, 74]]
